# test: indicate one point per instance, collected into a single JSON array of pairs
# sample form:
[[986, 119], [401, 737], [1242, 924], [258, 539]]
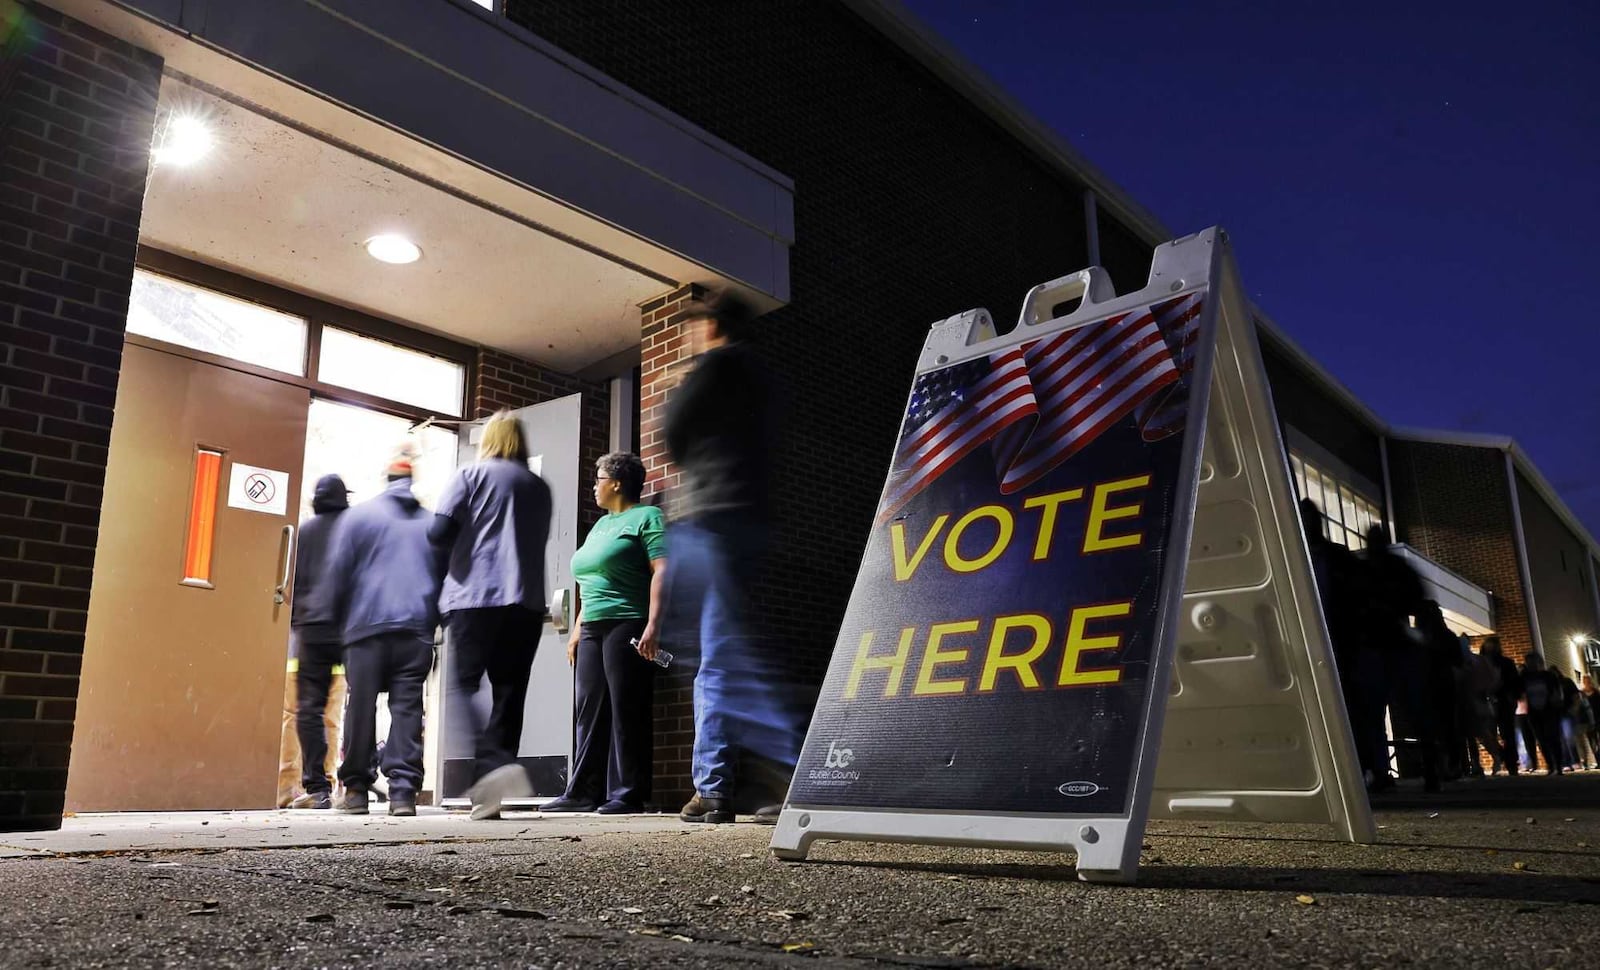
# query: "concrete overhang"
[[443, 91]]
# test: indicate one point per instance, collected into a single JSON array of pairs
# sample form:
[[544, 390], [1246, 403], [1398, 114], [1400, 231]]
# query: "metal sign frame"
[[1107, 845]]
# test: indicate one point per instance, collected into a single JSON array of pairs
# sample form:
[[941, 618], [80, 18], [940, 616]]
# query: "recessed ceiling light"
[[390, 248], [183, 141]]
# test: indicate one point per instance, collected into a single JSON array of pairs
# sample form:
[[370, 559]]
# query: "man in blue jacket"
[[384, 584]]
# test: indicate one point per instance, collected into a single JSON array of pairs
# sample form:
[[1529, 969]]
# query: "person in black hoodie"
[[315, 640], [384, 585], [719, 429]]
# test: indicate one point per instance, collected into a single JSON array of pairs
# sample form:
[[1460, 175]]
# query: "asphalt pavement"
[[1498, 872]]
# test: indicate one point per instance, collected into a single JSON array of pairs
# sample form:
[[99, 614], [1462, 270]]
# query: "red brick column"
[[665, 354], [77, 109]]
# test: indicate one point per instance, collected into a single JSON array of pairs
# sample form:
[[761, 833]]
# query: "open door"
[[553, 431]]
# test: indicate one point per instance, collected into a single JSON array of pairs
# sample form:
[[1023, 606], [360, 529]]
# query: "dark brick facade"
[[1304, 403], [76, 113], [910, 205], [1452, 504], [1563, 598]]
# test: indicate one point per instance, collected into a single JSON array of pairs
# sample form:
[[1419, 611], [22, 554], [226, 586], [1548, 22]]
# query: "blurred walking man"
[[719, 430]]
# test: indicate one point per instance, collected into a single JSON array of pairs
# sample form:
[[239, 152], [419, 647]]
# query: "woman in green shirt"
[[619, 571]]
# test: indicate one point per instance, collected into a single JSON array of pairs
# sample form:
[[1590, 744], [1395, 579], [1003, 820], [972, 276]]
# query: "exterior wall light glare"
[[390, 248], [183, 140]]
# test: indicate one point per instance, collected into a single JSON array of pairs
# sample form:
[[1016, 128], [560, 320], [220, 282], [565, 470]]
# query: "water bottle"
[[662, 657]]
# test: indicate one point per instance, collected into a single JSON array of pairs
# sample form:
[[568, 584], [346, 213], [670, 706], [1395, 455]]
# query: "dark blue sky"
[[1413, 189]]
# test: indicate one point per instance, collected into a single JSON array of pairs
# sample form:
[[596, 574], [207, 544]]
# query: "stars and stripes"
[[953, 411], [1043, 402], [1179, 321]]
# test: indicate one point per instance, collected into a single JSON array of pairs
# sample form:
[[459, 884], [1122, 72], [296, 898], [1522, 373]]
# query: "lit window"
[[1348, 514], [202, 518], [357, 444], [486, 4], [391, 372], [178, 313]]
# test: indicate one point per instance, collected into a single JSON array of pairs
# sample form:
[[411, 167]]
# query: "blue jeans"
[[739, 701]]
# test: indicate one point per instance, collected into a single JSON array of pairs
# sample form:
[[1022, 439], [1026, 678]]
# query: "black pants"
[[397, 663], [1505, 717], [613, 719], [499, 641], [1546, 727], [312, 683]]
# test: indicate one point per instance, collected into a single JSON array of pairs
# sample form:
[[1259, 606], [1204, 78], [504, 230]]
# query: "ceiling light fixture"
[[184, 140], [391, 248]]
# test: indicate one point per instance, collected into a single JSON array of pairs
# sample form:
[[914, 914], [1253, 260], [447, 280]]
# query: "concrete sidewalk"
[[1493, 873]]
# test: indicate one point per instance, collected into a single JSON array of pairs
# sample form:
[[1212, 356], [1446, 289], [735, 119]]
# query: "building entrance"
[[183, 663]]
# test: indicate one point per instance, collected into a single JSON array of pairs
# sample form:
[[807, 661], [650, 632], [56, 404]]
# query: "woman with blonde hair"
[[491, 526]]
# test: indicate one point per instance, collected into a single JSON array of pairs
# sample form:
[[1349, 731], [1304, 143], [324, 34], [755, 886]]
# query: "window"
[[487, 4], [390, 371], [178, 313], [357, 444], [202, 526], [1347, 513]]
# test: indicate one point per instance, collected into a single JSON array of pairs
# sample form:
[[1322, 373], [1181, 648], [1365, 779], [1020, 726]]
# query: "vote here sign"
[[996, 653]]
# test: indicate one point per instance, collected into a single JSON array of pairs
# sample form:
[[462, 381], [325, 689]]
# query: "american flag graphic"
[[1041, 403], [1179, 320]]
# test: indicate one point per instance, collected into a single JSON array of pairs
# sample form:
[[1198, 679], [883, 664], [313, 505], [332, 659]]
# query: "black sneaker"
[[402, 803], [567, 804], [615, 807], [707, 808], [352, 802]]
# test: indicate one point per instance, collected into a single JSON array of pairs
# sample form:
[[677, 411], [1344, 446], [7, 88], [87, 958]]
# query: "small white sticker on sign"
[[258, 489]]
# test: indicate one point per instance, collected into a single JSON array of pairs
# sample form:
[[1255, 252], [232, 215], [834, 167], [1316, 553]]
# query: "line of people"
[[1441, 699], [375, 581]]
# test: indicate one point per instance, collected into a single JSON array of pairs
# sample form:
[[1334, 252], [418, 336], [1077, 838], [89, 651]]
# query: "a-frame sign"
[[1087, 597]]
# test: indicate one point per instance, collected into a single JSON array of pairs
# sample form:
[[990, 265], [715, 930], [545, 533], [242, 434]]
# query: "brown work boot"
[[707, 808], [352, 802]]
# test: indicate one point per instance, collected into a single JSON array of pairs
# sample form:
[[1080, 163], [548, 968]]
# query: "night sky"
[[1413, 189]]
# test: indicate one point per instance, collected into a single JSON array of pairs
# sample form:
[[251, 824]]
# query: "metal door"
[[181, 697], [553, 431]]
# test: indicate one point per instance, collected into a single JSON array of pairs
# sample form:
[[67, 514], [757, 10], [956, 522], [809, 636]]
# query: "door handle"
[[560, 610], [288, 562]]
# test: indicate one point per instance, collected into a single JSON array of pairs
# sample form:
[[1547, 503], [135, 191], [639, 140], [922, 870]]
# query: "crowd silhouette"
[[1420, 698]]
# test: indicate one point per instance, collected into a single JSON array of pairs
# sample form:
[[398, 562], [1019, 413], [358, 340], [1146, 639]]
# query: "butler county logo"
[[834, 767], [1079, 789]]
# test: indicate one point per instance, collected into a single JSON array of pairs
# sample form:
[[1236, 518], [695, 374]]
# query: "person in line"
[[1478, 687], [1582, 719], [491, 527], [1506, 692], [384, 583], [619, 571], [1395, 595], [316, 646], [1339, 576], [1441, 659], [1542, 687], [720, 426], [1591, 697]]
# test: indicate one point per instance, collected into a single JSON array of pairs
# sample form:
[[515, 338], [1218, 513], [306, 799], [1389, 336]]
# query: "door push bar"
[[561, 610]]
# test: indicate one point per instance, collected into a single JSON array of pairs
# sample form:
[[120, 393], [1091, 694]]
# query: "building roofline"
[[1300, 357], [933, 52], [1520, 460], [936, 54]]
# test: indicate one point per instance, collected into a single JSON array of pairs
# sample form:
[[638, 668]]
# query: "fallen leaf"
[[681, 938], [1520, 866], [458, 910], [1305, 899], [320, 918], [798, 947], [201, 912], [399, 904], [632, 910], [747, 889], [471, 878], [511, 913], [752, 855], [1531, 820], [391, 878], [1433, 814], [793, 915]]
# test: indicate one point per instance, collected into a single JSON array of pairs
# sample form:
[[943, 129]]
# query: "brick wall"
[[1562, 599], [504, 381], [910, 206], [1452, 504], [76, 113]]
